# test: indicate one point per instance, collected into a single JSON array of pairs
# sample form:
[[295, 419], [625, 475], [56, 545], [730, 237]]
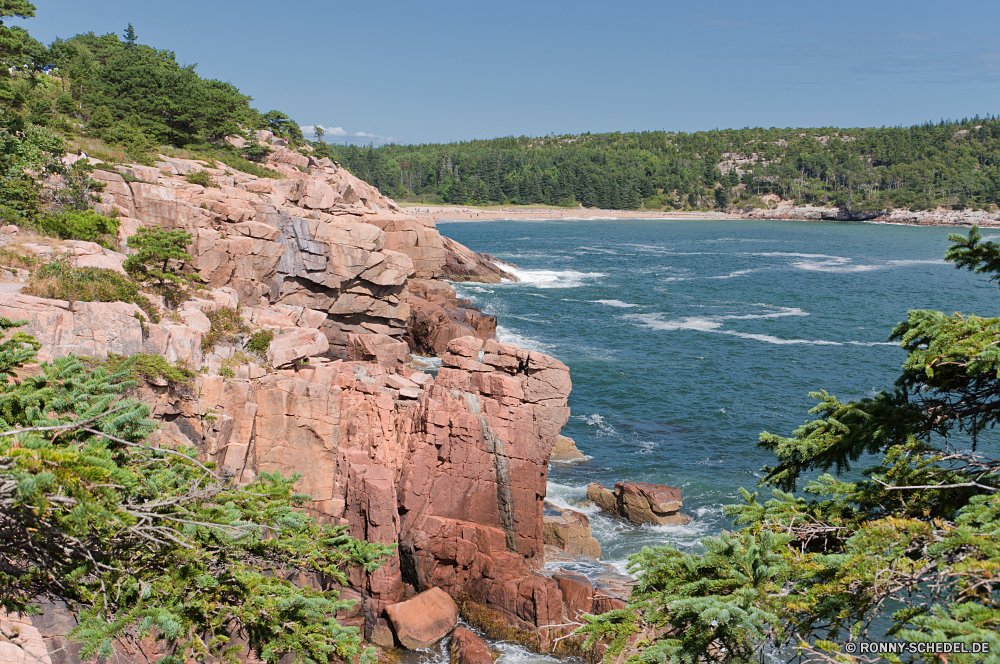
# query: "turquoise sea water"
[[686, 339]]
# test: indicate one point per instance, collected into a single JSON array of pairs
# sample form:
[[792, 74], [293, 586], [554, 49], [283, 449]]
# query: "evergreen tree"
[[130, 36], [159, 261], [147, 541]]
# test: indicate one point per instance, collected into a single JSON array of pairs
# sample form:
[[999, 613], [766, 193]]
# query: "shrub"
[[18, 199], [204, 178], [80, 225], [246, 164], [227, 326], [59, 281], [147, 366], [260, 341], [159, 260], [11, 258]]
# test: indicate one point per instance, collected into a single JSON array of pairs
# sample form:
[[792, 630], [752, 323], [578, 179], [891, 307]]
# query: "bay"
[[686, 339]]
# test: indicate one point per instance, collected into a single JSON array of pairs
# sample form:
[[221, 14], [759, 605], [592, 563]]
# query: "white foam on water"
[[655, 321], [873, 343], [834, 265], [937, 261], [767, 338], [615, 303], [551, 278], [598, 250], [820, 262], [596, 420], [739, 273], [509, 336]]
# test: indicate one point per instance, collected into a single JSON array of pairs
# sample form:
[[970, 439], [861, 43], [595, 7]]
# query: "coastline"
[[939, 217]]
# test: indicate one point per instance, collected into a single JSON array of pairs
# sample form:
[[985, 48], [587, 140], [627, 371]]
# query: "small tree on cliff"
[[144, 540], [159, 260], [915, 544]]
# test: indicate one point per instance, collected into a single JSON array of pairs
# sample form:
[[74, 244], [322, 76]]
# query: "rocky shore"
[[451, 468]]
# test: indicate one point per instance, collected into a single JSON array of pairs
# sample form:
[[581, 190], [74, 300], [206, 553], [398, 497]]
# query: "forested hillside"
[[116, 100], [951, 164]]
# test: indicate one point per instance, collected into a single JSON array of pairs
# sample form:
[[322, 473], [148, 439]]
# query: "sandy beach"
[[469, 213], [939, 217]]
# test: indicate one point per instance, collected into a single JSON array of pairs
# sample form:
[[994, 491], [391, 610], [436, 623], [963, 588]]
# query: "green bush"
[[81, 225], [245, 164], [227, 326], [18, 199], [147, 366], [59, 281], [260, 341], [204, 178]]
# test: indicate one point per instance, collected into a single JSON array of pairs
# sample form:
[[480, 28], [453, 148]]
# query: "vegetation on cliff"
[[953, 164], [144, 540], [114, 99], [911, 543]]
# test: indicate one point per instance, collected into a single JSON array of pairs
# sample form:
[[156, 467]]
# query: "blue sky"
[[434, 71]]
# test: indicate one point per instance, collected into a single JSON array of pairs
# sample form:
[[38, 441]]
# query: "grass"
[[23, 260], [57, 280]]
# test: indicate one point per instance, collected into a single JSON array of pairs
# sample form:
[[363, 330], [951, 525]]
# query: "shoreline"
[[467, 213]]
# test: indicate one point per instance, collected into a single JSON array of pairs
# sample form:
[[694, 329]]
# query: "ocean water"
[[686, 339]]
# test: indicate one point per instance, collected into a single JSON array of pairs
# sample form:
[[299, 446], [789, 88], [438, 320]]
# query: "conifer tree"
[[913, 545], [159, 261], [146, 541]]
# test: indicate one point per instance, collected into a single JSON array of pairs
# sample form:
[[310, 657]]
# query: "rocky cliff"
[[451, 467]]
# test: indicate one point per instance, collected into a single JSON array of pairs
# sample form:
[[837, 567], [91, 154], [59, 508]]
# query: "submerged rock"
[[640, 502]]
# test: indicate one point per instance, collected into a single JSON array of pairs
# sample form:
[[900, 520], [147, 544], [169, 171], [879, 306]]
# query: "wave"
[[551, 278], [937, 261], [714, 323], [598, 250], [509, 336], [615, 303], [738, 273], [709, 323]]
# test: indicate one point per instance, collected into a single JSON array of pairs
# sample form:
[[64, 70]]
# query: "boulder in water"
[[569, 530], [565, 450], [640, 502]]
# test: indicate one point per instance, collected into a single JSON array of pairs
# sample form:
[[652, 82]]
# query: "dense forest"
[[952, 164]]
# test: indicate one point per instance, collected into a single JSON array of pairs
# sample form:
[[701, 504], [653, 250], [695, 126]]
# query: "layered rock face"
[[320, 239], [452, 467]]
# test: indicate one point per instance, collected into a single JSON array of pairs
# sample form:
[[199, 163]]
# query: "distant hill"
[[950, 164]]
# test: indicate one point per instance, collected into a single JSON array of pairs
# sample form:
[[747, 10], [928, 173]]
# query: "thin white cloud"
[[328, 131], [374, 138]]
